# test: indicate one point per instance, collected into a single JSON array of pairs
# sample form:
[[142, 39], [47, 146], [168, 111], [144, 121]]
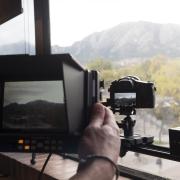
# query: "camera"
[[129, 93]]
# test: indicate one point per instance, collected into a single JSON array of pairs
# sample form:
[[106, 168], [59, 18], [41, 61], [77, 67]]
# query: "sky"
[[19, 28], [72, 20], [24, 92]]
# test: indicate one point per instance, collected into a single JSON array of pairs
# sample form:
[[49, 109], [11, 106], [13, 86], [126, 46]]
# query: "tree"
[[99, 65]]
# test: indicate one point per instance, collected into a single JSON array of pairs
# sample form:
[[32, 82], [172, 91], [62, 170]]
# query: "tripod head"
[[127, 124], [129, 139]]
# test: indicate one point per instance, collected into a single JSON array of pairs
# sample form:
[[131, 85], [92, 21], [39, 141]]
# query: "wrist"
[[99, 165]]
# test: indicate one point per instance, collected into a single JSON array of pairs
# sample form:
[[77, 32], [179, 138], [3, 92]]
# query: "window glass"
[[120, 38], [17, 34]]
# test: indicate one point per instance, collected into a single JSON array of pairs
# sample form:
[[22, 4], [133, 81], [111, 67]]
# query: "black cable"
[[33, 160], [44, 166]]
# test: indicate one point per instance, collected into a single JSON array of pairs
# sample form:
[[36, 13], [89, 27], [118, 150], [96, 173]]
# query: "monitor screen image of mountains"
[[35, 104], [125, 99]]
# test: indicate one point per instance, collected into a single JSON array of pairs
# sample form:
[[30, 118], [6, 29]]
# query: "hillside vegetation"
[[163, 71]]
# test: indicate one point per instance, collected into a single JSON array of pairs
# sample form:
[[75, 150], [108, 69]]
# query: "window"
[[120, 38], [17, 35]]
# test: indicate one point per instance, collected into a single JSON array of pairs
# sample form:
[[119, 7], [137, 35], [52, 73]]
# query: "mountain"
[[127, 41], [34, 114], [20, 47]]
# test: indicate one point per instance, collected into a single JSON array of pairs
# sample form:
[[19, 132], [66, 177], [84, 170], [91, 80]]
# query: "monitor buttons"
[[20, 141], [46, 148], [53, 148], [33, 141], [33, 148], [20, 147], [47, 142], [59, 142], [59, 148], [40, 145], [26, 147], [53, 142], [27, 141]]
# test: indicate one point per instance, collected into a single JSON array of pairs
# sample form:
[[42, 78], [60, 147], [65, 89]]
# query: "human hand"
[[101, 137]]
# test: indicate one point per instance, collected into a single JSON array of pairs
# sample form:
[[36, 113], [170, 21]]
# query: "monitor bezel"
[[28, 130]]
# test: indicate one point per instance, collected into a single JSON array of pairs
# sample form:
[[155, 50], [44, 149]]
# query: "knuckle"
[[89, 130], [107, 130], [113, 131]]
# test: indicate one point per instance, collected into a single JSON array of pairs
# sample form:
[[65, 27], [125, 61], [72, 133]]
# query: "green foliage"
[[164, 72], [157, 142], [99, 65]]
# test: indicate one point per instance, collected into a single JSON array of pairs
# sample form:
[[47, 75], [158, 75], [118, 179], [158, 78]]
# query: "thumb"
[[97, 115]]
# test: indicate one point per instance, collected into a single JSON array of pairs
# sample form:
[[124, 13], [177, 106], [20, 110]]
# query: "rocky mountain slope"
[[126, 41]]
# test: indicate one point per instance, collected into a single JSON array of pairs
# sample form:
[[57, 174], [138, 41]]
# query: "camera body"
[[130, 92]]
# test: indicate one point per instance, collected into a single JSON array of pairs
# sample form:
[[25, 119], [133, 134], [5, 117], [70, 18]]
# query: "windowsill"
[[18, 167], [144, 167]]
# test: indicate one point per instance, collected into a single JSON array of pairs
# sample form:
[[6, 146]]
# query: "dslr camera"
[[129, 93]]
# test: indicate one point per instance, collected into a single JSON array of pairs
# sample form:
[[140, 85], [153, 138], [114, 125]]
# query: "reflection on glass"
[[34, 104], [17, 35], [120, 40]]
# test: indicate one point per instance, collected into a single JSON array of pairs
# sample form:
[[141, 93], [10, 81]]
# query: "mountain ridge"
[[127, 40]]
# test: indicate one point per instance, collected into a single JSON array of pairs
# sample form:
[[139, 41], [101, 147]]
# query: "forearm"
[[99, 147], [95, 169]]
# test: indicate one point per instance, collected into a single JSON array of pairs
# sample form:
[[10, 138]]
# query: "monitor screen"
[[34, 104], [125, 99]]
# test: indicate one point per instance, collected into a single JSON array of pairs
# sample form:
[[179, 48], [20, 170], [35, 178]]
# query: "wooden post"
[[42, 27]]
